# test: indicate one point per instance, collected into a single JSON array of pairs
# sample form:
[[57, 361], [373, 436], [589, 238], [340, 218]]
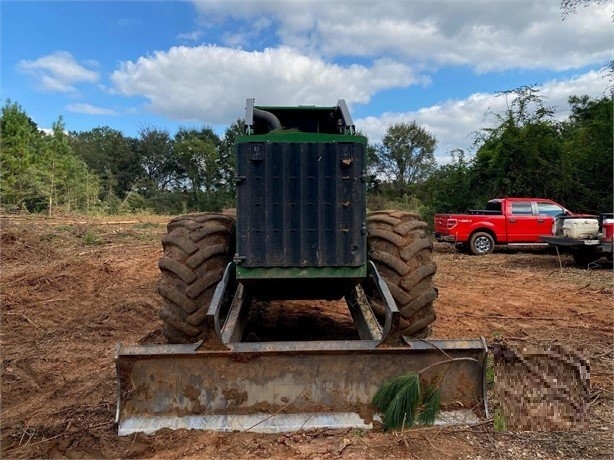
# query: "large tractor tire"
[[197, 248], [402, 253]]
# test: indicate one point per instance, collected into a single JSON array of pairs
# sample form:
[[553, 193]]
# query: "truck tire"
[[402, 253], [583, 258], [197, 248], [481, 243]]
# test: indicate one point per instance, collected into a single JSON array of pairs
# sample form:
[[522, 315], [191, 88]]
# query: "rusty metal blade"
[[284, 386]]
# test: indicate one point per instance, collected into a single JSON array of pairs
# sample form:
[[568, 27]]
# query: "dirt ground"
[[73, 287]]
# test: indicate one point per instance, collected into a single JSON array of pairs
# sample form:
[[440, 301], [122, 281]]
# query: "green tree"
[[405, 156], [197, 155], [570, 6], [40, 171], [112, 156], [197, 159], [448, 188], [227, 155], [520, 155], [155, 150], [21, 142], [68, 182], [588, 156]]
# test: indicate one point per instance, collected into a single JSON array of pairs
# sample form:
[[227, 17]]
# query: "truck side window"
[[522, 209], [549, 209], [493, 206]]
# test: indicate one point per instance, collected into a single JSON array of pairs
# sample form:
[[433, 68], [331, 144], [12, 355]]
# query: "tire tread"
[[405, 263]]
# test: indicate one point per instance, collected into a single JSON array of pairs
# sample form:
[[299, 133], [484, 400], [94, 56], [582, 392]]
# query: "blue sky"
[[129, 65]]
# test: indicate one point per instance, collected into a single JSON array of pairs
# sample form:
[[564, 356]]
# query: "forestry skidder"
[[301, 232]]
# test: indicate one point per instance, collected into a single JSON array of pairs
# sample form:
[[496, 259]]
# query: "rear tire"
[[481, 243], [197, 248], [584, 258], [402, 253]]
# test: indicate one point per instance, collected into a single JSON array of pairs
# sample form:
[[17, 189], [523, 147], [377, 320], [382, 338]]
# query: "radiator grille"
[[301, 204]]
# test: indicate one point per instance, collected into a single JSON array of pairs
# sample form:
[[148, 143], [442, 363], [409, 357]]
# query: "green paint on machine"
[[301, 272], [296, 136]]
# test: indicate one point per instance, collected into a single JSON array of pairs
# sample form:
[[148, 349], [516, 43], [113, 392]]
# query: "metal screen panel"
[[301, 204]]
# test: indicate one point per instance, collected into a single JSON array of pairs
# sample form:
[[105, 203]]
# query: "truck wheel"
[[197, 248], [583, 258], [402, 253], [481, 243]]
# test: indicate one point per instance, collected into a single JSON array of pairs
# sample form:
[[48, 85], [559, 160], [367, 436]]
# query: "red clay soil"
[[72, 288]]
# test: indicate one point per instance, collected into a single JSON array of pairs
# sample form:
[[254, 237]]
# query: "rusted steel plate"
[[284, 385]]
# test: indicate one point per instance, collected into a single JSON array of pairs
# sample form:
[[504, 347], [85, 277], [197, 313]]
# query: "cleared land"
[[72, 287]]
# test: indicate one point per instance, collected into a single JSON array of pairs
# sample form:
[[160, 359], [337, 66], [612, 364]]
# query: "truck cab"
[[527, 219]]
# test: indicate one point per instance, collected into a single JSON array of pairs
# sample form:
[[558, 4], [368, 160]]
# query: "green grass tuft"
[[91, 238]]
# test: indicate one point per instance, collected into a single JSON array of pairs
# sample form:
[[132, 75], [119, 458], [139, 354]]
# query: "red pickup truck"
[[504, 221]]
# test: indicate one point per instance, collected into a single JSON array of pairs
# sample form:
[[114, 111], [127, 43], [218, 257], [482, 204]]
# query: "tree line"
[[529, 153], [105, 171], [526, 152]]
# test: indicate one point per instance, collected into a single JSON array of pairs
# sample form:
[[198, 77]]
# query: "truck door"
[[546, 213], [521, 222]]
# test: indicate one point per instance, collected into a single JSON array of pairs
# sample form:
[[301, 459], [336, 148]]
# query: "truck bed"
[[486, 212]]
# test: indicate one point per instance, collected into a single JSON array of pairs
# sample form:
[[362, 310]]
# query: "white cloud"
[[485, 35], [89, 109], [209, 83], [246, 36], [192, 36], [58, 72], [404, 40], [454, 122]]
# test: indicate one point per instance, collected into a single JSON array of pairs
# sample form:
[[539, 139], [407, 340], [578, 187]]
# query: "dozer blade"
[[286, 386]]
